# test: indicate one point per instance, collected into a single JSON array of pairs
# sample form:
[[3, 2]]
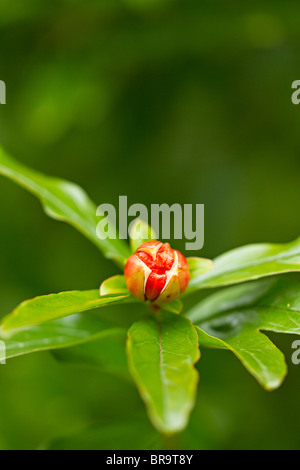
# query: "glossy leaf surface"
[[234, 318], [250, 262], [50, 307], [162, 350], [69, 331], [64, 201]]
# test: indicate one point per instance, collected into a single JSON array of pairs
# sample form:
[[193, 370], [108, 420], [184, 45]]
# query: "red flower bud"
[[156, 272]]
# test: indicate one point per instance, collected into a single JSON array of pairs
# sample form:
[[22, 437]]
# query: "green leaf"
[[174, 307], [64, 201], [140, 232], [114, 285], [69, 331], [234, 318], [162, 350], [199, 266], [248, 263], [50, 307], [106, 352]]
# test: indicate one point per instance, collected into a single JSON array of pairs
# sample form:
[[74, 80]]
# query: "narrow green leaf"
[[69, 331], [50, 307], [114, 285], [255, 351], [248, 263], [140, 232], [162, 350], [234, 318], [64, 201]]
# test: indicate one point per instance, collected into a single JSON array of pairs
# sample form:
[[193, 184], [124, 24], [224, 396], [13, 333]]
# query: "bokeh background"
[[163, 101]]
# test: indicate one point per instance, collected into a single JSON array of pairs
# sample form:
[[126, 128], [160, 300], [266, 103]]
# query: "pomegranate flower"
[[157, 273]]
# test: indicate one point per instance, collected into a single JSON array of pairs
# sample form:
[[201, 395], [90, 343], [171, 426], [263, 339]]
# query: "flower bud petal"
[[136, 273], [154, 285]]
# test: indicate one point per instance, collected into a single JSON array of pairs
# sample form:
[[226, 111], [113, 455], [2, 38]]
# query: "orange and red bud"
[[157, 273]]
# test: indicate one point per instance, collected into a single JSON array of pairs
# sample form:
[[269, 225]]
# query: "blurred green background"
[[163, 101]]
